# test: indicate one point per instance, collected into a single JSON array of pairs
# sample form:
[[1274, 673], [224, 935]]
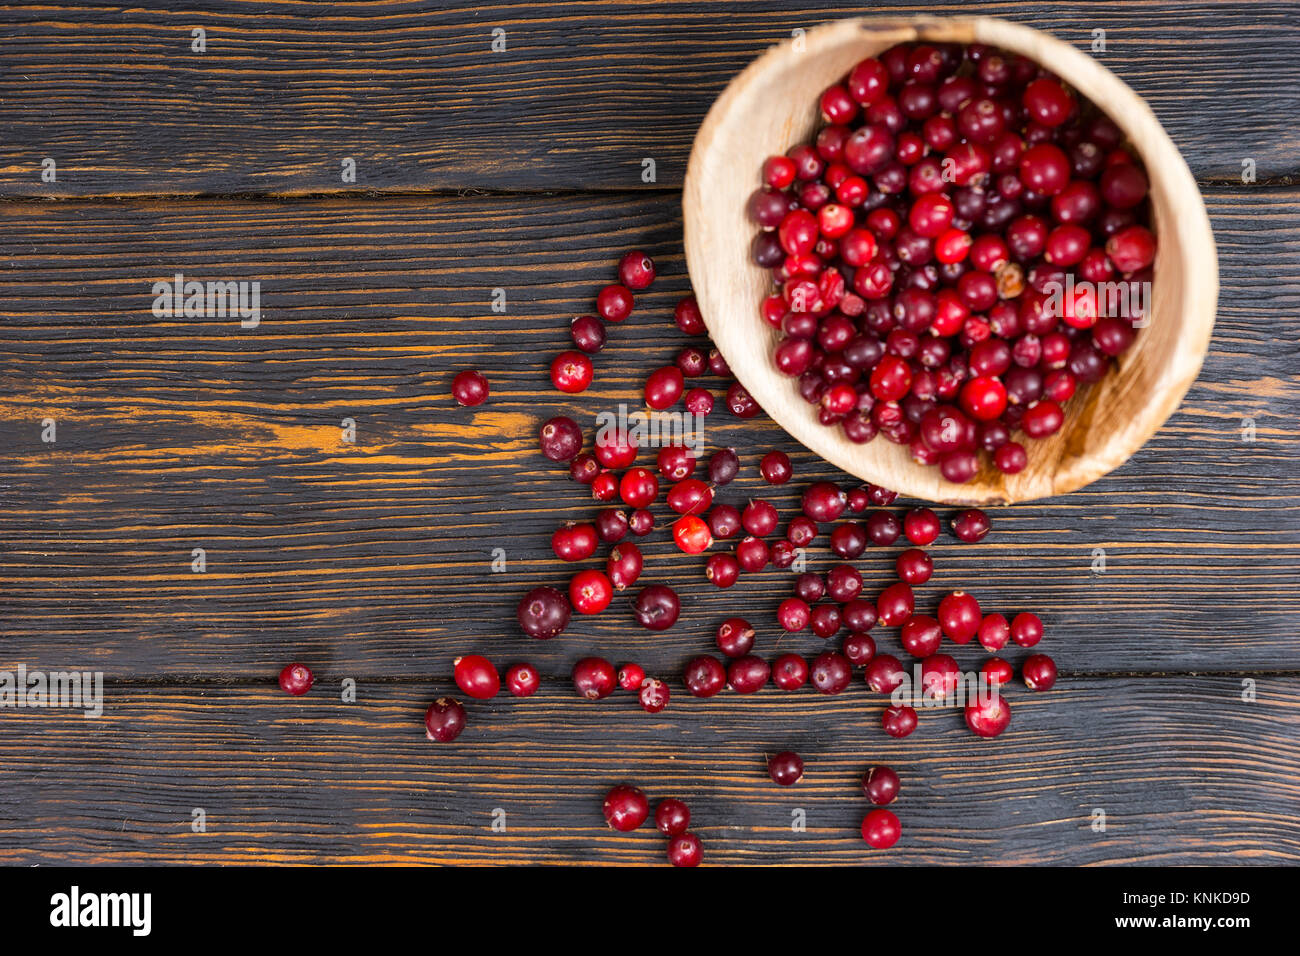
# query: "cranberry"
[[584, 468], [722, 570], [724, 465], [469, 388], [574, 542], [1043, 419], [724, 521], [997, 672], [785, 768], [1038, 672], [971, 525], [476, 676], [625, 808], [994, 632], [921, 635], [523, 680], [615, 450], [783, 554], [881, 829], [884, 673], [882, 528], [984, 397], [843, 583], [639, 487], [823, 501], [672, 817], [1131, 249], [1044, 168], [664, 387], [631, 676], [444, 720], [623, 566], [614, 303], [604, 487], [789, 672], [654, 696], [636, 270], [296, 679], [858, 648], [543, 613], [594, 678], [801, 532], [1123, 185], [858, 615], [940, 676], [1026, 629], [914, 566], [571, 372], [831, 672], [588, 333], [825, 620], [674, 462], [775, 468], [895, 604], [921, 525], [759, 517], [880, 785], [735, 637], [657, 607], [959, 614], [699, 401], [611, 525], [740, 402], [641, 522], [848, 540], [705, 676], [690, 496], [590, 592], [810, 587], [692, 362], [793, 614], [560, 438], [717, 364], [1011, 458], [692, 534], [1047, 102], [898, 721], [988, 716], [685, 850], [747, 674]]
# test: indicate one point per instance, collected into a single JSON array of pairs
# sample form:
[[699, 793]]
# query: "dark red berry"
[[959, 614], [1038, 672], [685, 850], [881, 829], [748, 674], [688, 317], [594, 678], [724, 465], [654, 695], [775, 468], [971, 525], [560, 438], [636, 270], [469, 388], [785, 768], [625, 808], [988, 716], [898, 721], [858, 615], [588, 333], [735, 637], [705, 676], [574, 542], [880, 785], [624, 565], [831, 672], [444, 720], [614, 303], [672, 817], [722, 570], [543, 613], [914, 566], [884, 673], [657, 607]]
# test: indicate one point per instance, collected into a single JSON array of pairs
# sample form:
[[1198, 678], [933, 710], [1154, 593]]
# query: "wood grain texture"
[[1185, 772], [581, 95], [373, 559]]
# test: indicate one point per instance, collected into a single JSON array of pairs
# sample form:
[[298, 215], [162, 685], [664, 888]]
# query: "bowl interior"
[[772, 106]]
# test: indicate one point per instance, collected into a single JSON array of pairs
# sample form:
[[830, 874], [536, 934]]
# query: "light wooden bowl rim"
[[1183, 211]]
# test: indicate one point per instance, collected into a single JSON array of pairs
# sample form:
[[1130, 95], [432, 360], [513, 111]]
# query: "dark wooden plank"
[[582, 94], [374, 558], [1184, 770]]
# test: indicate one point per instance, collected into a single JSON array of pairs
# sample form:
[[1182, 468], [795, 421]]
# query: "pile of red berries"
[[926, 247], [626, 808]]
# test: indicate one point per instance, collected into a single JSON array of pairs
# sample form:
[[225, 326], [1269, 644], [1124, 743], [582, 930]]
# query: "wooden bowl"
[[773, 105]]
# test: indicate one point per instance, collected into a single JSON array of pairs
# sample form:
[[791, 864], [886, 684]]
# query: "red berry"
[[614, 303], [469, 388], [959, 614], [672, 817], [898, 721], [639, 487], [296, 679], [921, 525], [571, 372], [988, 716], [895, 604], [789, 672], [588, 333], [590, 592], [685, 850], [560, 439], [1026, 629], [914, 566], [656, 607], [625, 808], [543, 613], [880, 785], [775, 468], [735, 637], [994, 632], [574, 542], [523, 680], [881, 829], [623, 566], [748, 674], [636, 270], [1038, 672], [631, 676], [705, 676], [654, 696], [594, 678], [722, 570], [785, 768], [971, 525], [692, 534], [884, 673], [664, 387], [476, 676], [444, 720]]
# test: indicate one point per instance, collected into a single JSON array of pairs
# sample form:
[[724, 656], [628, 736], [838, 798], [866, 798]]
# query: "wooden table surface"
[[1177, 715]]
